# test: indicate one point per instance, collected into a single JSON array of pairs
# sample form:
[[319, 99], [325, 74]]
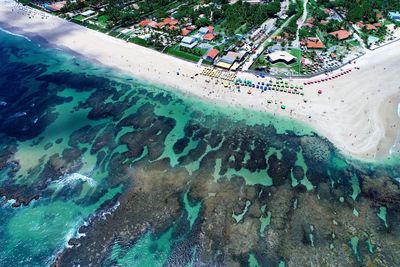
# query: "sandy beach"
[[357, 111]]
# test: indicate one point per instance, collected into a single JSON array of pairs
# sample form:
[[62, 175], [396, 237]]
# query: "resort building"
[[340, 34], [370, 27], [313, 43], [208, 37], [189, 42], [211, 55], [88, 13], [144, 23], [394, 16], [230, 60], [281, 57], [205, 30], [57, 6]]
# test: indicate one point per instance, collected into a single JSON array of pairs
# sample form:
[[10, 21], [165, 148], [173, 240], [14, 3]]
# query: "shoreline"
[[353, 112]]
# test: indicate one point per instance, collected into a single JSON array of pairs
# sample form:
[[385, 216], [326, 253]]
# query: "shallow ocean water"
[[133, 170]]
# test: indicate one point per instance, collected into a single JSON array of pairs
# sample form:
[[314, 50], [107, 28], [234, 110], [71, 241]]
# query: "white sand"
[[357, 112]]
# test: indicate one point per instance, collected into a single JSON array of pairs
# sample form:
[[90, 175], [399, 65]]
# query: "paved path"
[[300, 22]]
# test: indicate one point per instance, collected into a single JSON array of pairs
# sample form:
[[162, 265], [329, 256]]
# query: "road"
[[300, 22], [267, 26]]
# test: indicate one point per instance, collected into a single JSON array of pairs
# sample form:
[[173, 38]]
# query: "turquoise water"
[[139, 176]]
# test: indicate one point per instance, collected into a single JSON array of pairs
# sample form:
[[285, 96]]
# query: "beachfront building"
[[281, 57], [205, 30], [340, 34], [56, 6], [208, 37], [395, 16], [88, 13], [211, 54], [189, 42], [230, 60]]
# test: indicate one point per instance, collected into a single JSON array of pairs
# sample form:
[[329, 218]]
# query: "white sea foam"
[[104, 214], [398, 110], [72, 178], [395, 149], [15, 34]]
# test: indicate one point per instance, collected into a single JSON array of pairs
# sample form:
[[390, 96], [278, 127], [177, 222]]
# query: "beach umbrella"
[[283, 107], [319, 91]]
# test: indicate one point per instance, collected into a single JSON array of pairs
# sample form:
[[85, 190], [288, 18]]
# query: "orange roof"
[[370, 27], [172, 27], [209, 37], [170, 21], [167, 20], [377, 24], [58, 5], [212, 53], [144, 23], [185, 32], [360, 24], [340, 34], [310, 20], [308, 25], [328, 11], [191, 27], [152, 24], [314, 43], [161, 24], [210, 29]]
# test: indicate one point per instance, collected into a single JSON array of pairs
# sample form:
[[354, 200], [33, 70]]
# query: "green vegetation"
[[364, 10], [241, 13], [182, 54], [296, 10]]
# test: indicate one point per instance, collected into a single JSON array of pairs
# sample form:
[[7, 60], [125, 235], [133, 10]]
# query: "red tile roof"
[[172, 27], [208, 37], [308, 25], [185, 32], [210, 29], [360, 24], [370, 27], [144, 23], [212, 53], [152, 24], [57, 6], [170, 21], [161, 24], [314, 43], [340, 34], [167, 20], [173, 22]]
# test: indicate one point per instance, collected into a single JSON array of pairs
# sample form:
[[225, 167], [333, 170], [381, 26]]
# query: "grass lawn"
[[354, 43], [174, 51], [241, 29], [79, 17], [103, 20], [139, 41]]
